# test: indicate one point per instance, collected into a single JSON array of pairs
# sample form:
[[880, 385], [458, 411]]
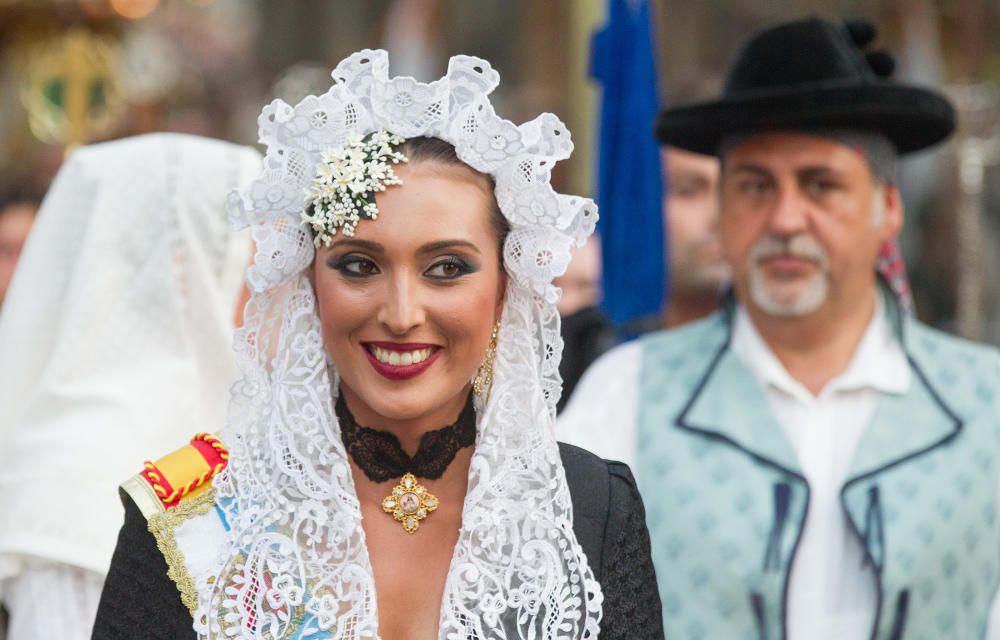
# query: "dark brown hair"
[[425, 149]]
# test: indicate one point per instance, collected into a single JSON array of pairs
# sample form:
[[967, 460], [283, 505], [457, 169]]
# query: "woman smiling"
[[392, 470]]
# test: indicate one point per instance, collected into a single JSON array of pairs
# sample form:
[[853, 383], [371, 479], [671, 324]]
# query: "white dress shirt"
[[831, 594]]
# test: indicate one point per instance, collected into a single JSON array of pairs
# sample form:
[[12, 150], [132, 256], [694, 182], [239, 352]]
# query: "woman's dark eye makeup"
[[450, 268], [446, 268], [353, 265]]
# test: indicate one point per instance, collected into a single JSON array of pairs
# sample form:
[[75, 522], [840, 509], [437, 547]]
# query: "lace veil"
[[295, 563], [115, 338]]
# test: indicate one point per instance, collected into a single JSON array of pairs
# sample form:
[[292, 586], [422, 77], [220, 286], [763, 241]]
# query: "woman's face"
[[408, 303]]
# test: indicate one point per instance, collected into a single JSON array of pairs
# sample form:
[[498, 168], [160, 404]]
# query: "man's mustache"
[[799, 246]]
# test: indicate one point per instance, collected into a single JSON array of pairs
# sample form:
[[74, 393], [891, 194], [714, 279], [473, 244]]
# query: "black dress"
[[140, 601]]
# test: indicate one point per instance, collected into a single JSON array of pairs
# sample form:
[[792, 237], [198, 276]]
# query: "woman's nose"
[[402, 309]]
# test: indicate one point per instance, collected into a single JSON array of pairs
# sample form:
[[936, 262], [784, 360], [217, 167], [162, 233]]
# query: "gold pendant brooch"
[[409, 503]]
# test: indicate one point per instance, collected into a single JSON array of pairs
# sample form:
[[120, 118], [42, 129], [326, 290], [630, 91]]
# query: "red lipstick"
[[403, 371]]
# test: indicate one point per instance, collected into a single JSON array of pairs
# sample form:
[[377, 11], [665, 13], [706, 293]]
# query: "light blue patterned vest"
[[726, 500]]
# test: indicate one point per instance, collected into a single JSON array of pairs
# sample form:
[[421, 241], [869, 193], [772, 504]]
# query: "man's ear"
[[892, 222]]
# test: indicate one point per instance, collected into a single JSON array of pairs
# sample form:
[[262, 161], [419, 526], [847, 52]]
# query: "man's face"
[[802, 222], [691, 208]]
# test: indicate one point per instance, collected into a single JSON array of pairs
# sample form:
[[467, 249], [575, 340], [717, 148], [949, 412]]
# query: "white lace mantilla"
[[296, 564]]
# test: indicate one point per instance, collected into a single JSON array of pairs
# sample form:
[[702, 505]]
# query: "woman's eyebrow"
[[440, 245], [368, 245]]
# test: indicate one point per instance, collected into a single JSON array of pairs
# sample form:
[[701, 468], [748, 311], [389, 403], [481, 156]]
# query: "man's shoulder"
[[180, 477], [712, 327], [612, 362], [934, 349], [685, 346], [707, 332]]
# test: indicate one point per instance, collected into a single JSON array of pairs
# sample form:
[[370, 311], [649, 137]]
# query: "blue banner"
[[629, 177]]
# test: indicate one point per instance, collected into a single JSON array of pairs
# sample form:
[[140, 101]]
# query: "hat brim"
[[911, 117]]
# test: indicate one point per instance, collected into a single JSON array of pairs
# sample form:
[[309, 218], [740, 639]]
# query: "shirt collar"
[[879, 362]]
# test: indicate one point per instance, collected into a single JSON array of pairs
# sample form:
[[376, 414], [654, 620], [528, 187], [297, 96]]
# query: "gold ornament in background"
[[71, 89], [409, 503]]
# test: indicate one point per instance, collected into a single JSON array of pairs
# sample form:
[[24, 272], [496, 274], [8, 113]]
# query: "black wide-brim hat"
[[811, 75]]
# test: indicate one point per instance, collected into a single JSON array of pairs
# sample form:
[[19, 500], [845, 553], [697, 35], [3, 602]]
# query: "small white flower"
[[346, 181], [328, 156], [284, 592], [326, 609], [493, 606], [357, 156]]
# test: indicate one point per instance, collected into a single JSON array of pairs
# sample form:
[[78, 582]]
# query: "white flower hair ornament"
[[347, 179], [288, 496]]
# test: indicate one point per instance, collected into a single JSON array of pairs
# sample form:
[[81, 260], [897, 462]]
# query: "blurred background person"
[[698, 272], [17, 213], [798, 438], [115, 343], [586, 330]]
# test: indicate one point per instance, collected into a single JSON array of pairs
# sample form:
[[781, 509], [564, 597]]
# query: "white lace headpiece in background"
[[115, 336], [296, 564]]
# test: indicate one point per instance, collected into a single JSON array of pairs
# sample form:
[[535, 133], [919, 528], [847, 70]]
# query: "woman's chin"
[[410, 401]]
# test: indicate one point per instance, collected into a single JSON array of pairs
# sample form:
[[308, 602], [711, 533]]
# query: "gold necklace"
[[409, 503]]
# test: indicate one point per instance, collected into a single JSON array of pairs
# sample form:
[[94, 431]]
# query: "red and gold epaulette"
[[177, 476]]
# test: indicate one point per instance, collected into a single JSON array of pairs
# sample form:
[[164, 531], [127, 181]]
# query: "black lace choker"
[[380, 456]]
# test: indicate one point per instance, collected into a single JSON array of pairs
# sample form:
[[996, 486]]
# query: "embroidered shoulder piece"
[[177, 476], [173, 490]]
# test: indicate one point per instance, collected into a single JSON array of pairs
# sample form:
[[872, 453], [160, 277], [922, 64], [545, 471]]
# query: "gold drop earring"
[[484, 375]]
